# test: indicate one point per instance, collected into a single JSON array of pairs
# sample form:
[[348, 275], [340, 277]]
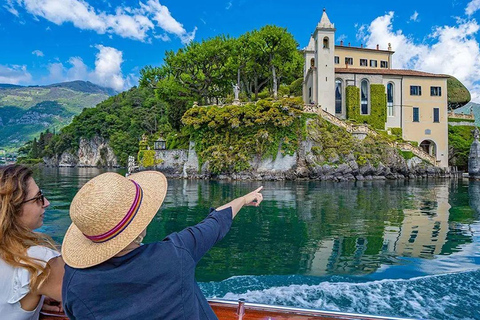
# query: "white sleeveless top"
[[14, 285]]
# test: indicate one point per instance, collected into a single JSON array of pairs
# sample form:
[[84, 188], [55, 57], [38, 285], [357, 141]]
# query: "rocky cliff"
[[327, 153], [91, 153]]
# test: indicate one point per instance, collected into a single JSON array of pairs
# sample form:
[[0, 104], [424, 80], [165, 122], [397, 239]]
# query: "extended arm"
[[200, 238], [251, 199]]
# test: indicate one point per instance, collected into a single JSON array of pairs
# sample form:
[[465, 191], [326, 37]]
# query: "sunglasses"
[[40, 196]]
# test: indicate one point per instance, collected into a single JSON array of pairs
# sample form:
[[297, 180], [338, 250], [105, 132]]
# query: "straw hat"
[[108, 213]]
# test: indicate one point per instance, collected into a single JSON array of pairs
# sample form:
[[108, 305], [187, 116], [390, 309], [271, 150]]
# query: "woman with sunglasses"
[[30, 266]]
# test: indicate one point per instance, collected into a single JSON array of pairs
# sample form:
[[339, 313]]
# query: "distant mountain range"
[[25, 111]]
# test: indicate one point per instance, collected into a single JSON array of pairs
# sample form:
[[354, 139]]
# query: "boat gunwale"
[[302, 311]]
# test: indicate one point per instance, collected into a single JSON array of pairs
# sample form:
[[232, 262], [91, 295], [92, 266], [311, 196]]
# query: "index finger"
[[258, 189]]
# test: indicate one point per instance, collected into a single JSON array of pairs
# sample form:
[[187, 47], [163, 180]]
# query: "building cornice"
[[391, 72]]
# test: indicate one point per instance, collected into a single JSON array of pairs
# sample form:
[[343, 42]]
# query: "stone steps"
[[361, 131]]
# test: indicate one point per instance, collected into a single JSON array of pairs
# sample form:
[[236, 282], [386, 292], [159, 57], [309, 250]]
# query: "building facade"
[[416, 101]]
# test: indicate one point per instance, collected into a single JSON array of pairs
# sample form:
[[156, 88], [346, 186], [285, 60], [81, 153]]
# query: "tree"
[[202, 68], [279, 49], [34, 151], [458, 95]]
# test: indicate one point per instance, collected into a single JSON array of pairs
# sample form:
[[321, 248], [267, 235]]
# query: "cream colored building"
[[416, 100]]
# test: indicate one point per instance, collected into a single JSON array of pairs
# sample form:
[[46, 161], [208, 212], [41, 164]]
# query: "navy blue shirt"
[[154, 281]]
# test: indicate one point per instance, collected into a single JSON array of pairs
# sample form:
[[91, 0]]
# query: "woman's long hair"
[[15, 239]]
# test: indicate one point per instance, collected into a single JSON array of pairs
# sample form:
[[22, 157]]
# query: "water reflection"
[[304, 228]]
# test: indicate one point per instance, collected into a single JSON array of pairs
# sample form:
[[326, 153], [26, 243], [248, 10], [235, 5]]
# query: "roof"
[[365, 49], [391, 72], [325, 22]]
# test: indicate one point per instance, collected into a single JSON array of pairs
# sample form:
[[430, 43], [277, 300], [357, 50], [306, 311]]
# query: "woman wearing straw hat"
[[110, 275], [29, 264]]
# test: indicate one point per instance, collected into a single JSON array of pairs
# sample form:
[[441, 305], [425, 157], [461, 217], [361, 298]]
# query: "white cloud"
[[14, 74], [454, 50], [38, 53], [472, 7], [229, 5], [341, 37], [107, 71], [414, 16], [163, 37], [126, 22], [164, 20], [10, 7]]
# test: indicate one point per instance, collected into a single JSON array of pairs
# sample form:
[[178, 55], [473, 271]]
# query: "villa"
[[359, 84]]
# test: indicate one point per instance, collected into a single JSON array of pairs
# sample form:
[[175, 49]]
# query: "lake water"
[[398, 248]]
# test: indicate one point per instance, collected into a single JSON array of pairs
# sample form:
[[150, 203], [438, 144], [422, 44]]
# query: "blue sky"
[[49, 41]]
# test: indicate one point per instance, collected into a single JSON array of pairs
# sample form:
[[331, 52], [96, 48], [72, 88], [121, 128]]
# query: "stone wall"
[[462, 123], [301, 165]]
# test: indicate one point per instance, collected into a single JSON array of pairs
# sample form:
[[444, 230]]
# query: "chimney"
[[361, 45], [378, 47], [341, 43], [349, 44], [389, 47]]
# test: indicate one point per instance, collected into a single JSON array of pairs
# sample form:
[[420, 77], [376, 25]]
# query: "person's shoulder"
[[173, 240], [42, 253]]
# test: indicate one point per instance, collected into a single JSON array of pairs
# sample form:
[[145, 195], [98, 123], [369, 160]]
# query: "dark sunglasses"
[[40, 196]]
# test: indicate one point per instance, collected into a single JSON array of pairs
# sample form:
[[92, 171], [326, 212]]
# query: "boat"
[[241, 310]]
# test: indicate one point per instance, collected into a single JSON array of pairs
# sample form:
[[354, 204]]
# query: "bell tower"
[[324, 37]]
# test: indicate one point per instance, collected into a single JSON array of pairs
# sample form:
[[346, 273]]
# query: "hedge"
[[378, 106]]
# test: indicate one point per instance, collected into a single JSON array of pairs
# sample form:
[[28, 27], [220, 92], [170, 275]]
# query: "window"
[[373, 63], [364, 97], [312, 62], [310, 92], [349, 61], [416, 114], [436, 91], [326, 43], [390, 99], [415, 90], [338, 96], [337, 59], [383, 64], [363, 62], [436, 115]]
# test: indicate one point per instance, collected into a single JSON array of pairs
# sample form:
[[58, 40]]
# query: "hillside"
[[25, 111]]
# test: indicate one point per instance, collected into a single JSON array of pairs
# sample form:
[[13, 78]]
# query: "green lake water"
[[398, 248]]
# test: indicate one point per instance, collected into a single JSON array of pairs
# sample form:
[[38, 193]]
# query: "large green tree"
[[278, 48], [202, 68], [458, 94]]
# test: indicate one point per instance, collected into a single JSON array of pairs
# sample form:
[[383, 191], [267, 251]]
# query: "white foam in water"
[[447, 296]]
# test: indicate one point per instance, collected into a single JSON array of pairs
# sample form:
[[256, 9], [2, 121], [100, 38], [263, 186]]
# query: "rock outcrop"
[[302, 165], [93, 152]]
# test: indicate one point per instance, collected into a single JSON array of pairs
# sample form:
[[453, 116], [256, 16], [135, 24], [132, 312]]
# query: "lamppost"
[[160, 144]]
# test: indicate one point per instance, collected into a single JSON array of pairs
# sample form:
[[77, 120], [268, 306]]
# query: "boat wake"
[[446, 296]]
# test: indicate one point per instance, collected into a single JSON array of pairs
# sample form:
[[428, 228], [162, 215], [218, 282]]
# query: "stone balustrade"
[[417, 151], [361, 129], [454, 115]]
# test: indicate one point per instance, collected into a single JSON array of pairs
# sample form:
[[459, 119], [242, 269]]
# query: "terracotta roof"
[[392, 72], [366, 49]]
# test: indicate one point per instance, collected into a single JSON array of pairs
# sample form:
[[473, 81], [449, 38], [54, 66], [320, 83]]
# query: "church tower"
[[324, 81]]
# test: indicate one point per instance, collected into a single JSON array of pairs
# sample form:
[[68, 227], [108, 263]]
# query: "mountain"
[[25, 111], [84, 86]]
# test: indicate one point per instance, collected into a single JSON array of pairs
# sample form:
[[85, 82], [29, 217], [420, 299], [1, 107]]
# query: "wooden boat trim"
[[241, 310], [294, 311]]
